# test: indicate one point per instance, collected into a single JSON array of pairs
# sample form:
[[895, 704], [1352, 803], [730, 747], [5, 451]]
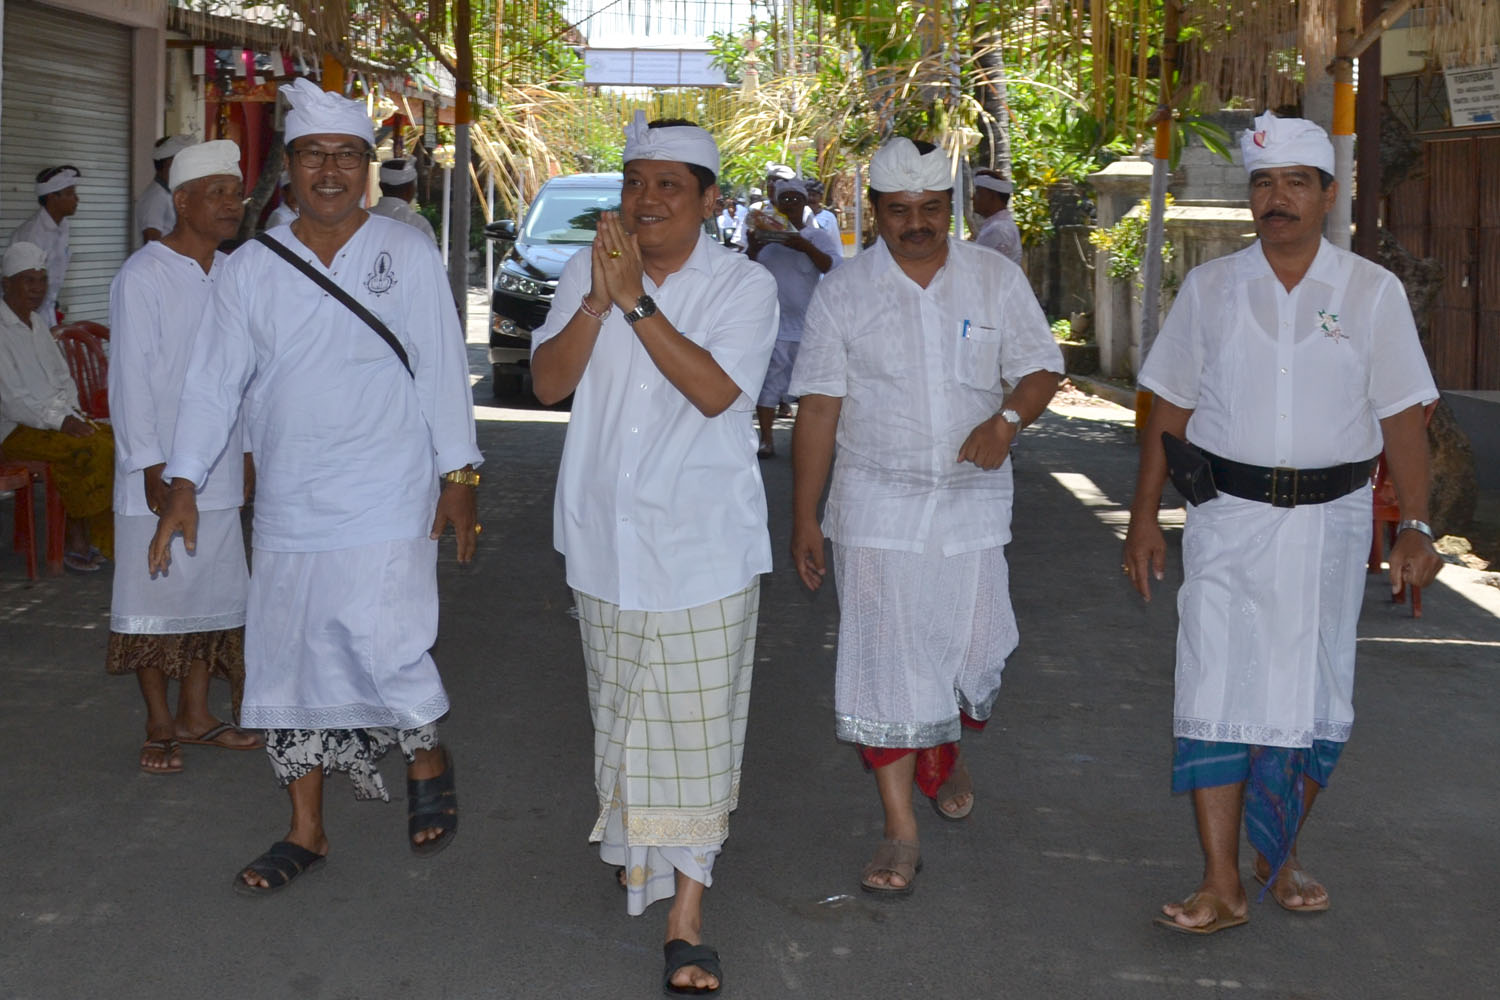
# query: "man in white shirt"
[[49, 228], [186, 625], [661, 515], [992, 204], [822, 217], [39, 415], [728, 219], [905, 352], [761, 203], [284, 213], [797, 259], [361, 463], [154, 214], [1288, 366], [398, 185]]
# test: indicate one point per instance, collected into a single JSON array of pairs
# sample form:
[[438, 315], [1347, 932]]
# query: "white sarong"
[[1268, 612], [204, 591], [670, 696], [922, 636], [340, 639]]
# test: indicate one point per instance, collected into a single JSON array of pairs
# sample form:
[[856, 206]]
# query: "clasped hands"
[[615, 266]]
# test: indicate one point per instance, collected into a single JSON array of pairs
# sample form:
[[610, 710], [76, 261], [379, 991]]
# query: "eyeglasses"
[[344, 159]]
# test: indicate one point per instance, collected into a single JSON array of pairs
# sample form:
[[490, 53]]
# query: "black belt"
[[1285, 487]]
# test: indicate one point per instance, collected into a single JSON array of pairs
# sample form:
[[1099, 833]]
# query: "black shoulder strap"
[[321, 280]]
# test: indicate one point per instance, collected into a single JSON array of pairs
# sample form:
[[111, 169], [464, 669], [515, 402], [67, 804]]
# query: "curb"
[[1104, 390]]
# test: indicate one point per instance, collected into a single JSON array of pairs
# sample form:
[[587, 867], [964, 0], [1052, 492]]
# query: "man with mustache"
[[663, 336], [905, 352], [335, 340], [1288, 366], [186, 625]]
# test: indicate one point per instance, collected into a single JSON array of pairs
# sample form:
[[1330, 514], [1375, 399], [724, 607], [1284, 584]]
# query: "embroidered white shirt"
[[918, 369], [658, 507], [52, 237], [999, 232], [155, 304], [36, 388], [154, 210], [348, 446], [797, 276], [1298, 379]]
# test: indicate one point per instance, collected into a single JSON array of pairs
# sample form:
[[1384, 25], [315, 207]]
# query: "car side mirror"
[[501, 229]]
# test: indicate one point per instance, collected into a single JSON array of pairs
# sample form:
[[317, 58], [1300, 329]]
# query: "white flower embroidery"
[[1329, 323]]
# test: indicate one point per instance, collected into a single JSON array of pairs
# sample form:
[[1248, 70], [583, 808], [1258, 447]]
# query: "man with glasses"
[[364, 454]]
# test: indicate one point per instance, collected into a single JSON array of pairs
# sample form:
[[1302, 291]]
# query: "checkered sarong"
[[670, 695]]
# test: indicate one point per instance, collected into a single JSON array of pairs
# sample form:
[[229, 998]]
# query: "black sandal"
[[679, 953], [432, 804], [282, 862]]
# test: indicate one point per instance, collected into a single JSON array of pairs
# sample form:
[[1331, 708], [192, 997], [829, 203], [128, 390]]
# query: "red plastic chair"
[[19, 477], [87, 326], [90, 367], [1387, 516]]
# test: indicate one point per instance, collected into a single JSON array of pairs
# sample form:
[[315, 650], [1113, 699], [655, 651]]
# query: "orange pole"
[[333, 74]]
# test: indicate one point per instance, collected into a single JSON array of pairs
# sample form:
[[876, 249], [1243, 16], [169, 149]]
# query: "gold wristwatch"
[[463, 477]]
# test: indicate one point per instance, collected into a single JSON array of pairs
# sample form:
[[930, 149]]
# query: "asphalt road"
[[116, 884]]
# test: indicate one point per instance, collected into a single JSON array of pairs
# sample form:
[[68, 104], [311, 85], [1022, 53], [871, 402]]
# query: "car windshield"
[[569, 215]]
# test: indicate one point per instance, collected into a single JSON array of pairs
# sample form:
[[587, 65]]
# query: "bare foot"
[[1295, 889]]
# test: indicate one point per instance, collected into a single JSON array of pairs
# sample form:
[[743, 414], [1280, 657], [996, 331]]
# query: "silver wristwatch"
[[1412, 524], [644, 306], [1011, 417]]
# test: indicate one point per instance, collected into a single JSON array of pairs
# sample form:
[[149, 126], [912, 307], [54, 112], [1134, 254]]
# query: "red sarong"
[[934, 764]]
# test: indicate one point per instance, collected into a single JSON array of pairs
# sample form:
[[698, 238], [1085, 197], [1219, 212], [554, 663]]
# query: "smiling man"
[[664, 336], [905, 352], [1287, 366], [364, 448]]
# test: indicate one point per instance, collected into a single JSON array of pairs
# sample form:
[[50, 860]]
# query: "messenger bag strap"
[[321, 280]]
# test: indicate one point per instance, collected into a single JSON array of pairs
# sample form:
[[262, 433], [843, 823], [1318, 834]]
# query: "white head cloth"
[[23, 256], [680, 143], [205, 159], [796, 184], [60, 181], [398, 171], [997, 184], [171, 146], [897, 166], [315, 111], [1285, 142]]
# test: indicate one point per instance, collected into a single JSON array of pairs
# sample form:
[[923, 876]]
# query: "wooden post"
[[333, 74], [1156, 232], [458, 247], [1367, 143], [1340, 218]]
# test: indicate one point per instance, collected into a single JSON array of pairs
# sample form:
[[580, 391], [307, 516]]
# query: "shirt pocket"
[[976, 357]]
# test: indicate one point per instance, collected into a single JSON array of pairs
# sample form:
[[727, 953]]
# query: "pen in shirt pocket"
[[965, 334]]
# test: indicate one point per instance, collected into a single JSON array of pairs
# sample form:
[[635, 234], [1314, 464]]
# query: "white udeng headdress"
[[897, 166], [400, 170], [171, 146], [205, 159], [1285, 142], [60, 181], [796, 184], [315, 111], [997, 184], [23, 256], [680, 143]]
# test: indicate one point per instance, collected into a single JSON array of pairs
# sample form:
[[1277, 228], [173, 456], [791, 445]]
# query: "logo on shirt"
[[1329, 323], [382, 278]]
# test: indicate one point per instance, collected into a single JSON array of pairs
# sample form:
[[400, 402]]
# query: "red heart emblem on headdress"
[[1259, 138]]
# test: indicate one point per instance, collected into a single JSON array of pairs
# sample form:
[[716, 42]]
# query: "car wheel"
[[506, 382]]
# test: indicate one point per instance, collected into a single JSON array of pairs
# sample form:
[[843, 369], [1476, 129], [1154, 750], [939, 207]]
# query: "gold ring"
[[478, 528], [1125, 570], [613, 254]]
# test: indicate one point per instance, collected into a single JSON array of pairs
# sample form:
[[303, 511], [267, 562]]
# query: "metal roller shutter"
[[67, 100]]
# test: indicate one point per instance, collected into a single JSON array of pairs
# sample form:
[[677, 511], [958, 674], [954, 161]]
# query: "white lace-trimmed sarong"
[[669, 693], [922, 636], [201, 592]]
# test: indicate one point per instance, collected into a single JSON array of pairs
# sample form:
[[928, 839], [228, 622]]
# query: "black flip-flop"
[[432, 804], [679, 953], [282, 863]]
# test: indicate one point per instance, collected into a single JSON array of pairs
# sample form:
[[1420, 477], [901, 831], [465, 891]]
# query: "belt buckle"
[[1280, 495]]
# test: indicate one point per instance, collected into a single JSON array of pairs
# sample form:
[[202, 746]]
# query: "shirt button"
[[1283, 371], [627, 475], [624, 520], [643, 385], [1283, 416], [635, 430]]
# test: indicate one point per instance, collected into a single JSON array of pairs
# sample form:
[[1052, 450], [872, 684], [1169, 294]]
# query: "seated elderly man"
[[39, 416]]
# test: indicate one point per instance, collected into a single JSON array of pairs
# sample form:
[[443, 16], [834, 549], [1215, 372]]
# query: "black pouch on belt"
[[1189, 469]]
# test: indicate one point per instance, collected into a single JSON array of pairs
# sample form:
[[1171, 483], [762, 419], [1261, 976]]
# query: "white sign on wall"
[[651, 68], [1474, 94]]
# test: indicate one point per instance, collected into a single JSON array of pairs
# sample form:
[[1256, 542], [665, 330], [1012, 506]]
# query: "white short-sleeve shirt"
[[797, 276], [1297, 379], [154, 209], [658, 507], [918, 369]]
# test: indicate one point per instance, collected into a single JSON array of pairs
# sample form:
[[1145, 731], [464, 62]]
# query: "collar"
[[886, 263], [1326, 268], [700, 260]]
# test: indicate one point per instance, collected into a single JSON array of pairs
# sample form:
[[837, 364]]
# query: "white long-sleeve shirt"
[[999, 232], [658, 507], [918, 369], [52, 237], [36, 388], [348, 446], [155, 305], [401, 210]]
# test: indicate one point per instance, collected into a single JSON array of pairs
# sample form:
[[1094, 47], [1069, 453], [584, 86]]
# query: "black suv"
[[560, 222]]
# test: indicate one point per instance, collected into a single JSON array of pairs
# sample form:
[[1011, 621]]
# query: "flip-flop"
[[80, 562], [1300, 881], [958, 783], [212, 738], [895, 857], [678, 953], [1224, 917], [282, 863], [167, 747]]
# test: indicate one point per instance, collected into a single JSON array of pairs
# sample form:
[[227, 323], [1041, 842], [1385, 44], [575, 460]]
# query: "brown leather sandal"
[[893, 857]]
